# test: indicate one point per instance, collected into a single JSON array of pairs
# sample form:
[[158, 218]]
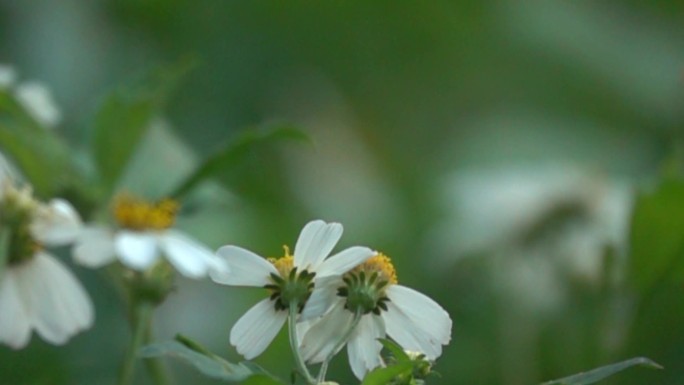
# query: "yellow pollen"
[[136, 214], [283, 264], [381, 264]]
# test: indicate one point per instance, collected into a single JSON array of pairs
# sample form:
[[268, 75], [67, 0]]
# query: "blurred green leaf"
[[657, 236], [598, 374], [213, 366], [4, 248], [227, 157], [40, 155], [119, 126], [397, 352], [260, 379], [381, 376]]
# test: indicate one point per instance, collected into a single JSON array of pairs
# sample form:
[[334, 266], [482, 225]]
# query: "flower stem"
[[294, 345], [140, 320], [345, 337]]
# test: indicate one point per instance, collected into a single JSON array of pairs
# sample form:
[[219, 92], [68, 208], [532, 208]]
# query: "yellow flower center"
[[380, 264], [136, 214], [283, 264], [289, 286]]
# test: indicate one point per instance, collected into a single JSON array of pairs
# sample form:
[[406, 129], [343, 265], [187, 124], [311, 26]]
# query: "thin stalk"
[[345, 337], [292, 331], [140, 322], [155, 367]]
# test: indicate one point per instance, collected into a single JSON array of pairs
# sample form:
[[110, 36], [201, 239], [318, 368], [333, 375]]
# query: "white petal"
[[255, 330], [363, 348], [58, 305], [315, 242], [416, 322], [322, 337], [15, 325], [136, 250], [190, 258], [38, 102], [94, 247], [322, 297], [344, 261], [7, 76], [244, 268], [56, 224]]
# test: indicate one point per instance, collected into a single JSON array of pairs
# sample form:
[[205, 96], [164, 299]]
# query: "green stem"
[[292, 329], [155, 367], [140, 322], [345, 337]]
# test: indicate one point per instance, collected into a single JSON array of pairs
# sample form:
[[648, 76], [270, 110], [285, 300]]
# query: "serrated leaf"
[[598, 374], [381, 376], [227, 157], [397, 352], [211, 366], [656, 236]]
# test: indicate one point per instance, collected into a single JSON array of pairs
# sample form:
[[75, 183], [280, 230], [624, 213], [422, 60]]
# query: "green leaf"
[[227, 157], [381, 376], [657, 236], [598, 374], [5, 233], [209, 365], [119, 126], [397, 352], [260, 379]]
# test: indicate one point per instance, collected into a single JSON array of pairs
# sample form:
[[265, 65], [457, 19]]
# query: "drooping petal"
[[94, 247], [315, 242], [255, 330], [58, 305], [15, 324], [416, 322], [322, 297], [137, 250], [344, 261], [189, 257], [322, 337], [244, 268], [363, 348], [57, 223]]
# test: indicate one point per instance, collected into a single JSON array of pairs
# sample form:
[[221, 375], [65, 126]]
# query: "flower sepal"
[[152, 285]]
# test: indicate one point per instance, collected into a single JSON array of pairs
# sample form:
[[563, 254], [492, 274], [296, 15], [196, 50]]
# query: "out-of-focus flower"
[[37, 292], [7, 76], [290, 279], [370, 291], [38, 102], [144, 234]]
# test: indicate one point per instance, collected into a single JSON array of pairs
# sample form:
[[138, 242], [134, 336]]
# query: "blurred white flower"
[[143, 236], [412, 319], [38, 102], [37, 292], [290, 278], [7, 76]]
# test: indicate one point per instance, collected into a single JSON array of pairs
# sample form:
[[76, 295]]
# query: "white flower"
[[413, 320], [7, 76], [38, 102], [143, 237], [255, 330], [37, 292]]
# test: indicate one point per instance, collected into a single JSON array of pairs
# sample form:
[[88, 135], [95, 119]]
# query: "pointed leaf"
[[382, 376], [397, 352], [598, 374]]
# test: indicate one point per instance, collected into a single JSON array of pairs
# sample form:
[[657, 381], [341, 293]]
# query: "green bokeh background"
[[398, 99]]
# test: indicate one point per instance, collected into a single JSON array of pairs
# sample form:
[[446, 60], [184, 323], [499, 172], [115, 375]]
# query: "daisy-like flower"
[[290, 280], [37, 292], [367, 304], [38, 102], [143, 235]]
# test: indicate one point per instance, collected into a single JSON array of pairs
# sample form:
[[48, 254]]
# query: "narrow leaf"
[[381, 376], [598, 374], [397, 352]]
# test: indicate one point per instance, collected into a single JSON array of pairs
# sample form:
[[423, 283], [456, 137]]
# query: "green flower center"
[[365, 285], [289, 285], [16, 213]]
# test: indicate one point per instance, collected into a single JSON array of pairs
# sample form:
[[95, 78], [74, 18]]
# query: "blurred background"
[[498, 151]]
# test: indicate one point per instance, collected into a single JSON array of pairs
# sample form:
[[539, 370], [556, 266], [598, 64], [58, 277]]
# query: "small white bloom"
[[37, 292], [255, 330], [144, 235], [413, 320], [38, 102], [7, 76]]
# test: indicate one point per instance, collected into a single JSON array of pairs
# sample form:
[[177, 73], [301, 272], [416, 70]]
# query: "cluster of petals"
[[255, 330]]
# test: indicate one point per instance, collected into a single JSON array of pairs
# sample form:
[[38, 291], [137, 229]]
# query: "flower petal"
[[315, 242], [322, 337], [58, 305], [15, 324], [56, 224], [344, 261], [363, 348], [416, 322], [255, 330], [94, 247], [322, 297], [244, 268], [136, 250], [190, 258]]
